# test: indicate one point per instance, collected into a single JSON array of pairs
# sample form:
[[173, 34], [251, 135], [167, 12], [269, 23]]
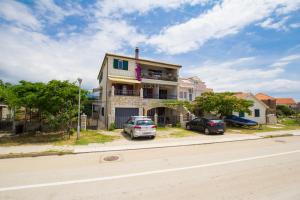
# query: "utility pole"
[[78, 124]]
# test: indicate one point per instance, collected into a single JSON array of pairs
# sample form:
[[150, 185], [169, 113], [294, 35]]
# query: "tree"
[[221, 104], [60, 103], [283, 110]]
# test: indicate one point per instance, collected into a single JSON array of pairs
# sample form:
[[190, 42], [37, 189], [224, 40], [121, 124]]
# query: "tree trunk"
[[25, 124]]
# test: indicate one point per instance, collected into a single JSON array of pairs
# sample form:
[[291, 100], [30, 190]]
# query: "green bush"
[[112, 127], [178, 125]]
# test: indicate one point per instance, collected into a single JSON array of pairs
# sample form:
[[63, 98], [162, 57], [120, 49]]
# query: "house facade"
[[191, 87], [258, 110], [131, 86], [269, 101]]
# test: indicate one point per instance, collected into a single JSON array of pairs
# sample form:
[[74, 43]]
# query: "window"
[[241, 114], [256, 113], [100, 76], [102, 111], [185, 95], [120, 64], [190, 96], [181, 95]]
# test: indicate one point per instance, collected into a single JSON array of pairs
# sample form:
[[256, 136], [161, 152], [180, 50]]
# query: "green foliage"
[[222, 104], [283, 110], [112, 127], [178, 125], [56, 102]]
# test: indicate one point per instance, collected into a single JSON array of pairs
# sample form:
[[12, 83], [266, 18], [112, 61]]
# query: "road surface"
[[260, 169]]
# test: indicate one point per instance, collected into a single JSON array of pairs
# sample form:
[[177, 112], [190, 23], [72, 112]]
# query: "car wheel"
[[206, 131], [152, 137], [188, 127], [131, 135]]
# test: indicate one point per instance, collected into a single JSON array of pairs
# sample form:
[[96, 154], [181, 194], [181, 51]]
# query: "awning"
[[123, 80]]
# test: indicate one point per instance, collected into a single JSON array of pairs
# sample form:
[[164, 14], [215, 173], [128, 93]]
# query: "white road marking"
[[21, 187]]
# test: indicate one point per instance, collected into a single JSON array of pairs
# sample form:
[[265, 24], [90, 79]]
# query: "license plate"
[[220, 130]]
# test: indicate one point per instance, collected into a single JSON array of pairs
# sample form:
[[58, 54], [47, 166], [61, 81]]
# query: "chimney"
[[136, 53]]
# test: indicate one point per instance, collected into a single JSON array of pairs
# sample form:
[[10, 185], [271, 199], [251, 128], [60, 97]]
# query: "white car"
[[140, 126]]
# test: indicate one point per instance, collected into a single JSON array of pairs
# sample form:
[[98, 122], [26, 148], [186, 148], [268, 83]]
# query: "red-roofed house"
[[269, 101], [290, 102]]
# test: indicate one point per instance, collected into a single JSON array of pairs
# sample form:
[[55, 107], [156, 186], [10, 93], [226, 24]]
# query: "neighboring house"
[[259, 108], [290, 102], [4, 111], [131, 86], [269, 101], [190, 88]]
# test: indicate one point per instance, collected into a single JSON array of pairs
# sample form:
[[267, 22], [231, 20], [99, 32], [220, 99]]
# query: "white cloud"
[[295, 25], [224, 19], [18, 13], [246, 74], [269, 23], [31, 55], [120, 7], [54, 13]]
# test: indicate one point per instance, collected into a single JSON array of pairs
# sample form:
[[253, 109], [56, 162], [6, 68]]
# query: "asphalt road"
[[260, 169]]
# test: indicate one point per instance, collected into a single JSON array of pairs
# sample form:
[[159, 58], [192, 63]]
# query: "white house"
[[191, 87]]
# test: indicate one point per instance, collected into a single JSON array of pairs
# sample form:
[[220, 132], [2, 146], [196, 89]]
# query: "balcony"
[[126, 92], [163, 77], [162, 96]]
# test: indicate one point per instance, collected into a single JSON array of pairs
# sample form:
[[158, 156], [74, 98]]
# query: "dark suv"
[[206, 125]]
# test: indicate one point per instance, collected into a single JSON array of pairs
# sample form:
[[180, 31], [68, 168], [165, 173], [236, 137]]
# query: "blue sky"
[[232, 45]]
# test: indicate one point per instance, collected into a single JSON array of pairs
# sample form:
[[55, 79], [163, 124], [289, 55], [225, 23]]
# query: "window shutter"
[[115, 65], [125, 64], [257, 113]]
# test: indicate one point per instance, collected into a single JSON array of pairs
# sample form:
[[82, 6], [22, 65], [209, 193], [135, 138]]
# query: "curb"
[[131, 148]]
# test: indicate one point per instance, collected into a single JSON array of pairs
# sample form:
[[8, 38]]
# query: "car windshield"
[[145, 122]]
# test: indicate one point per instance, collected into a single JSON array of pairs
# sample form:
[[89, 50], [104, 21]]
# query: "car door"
[[193, 124], [126, 125], [199, 126], [130, 126]]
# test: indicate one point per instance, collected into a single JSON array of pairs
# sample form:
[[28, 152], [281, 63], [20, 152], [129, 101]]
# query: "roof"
[[243, 95], [262, 96], [285, 101]]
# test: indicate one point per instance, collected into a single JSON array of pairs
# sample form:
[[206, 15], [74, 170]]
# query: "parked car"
[[206, 125], [140, 126]]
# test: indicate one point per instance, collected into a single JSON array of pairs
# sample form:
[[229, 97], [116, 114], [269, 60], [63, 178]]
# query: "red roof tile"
[[285, 101], [262, 96]]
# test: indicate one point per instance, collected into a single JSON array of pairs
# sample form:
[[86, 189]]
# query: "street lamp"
[[78, 124]]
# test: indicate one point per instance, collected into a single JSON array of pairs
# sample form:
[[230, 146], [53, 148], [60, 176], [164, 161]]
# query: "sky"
[[232, 45]]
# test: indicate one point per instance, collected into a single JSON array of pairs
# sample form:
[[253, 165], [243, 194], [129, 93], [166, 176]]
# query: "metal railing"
[[159, 77], [162, 96], [127, 92]]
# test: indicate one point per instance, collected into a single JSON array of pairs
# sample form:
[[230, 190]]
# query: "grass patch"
[[89, 136], [263, 128], [180, 132], [165, 132], [289, 121], [86, 137]]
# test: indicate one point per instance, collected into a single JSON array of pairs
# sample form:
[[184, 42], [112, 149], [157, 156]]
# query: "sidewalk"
[[121, 145]]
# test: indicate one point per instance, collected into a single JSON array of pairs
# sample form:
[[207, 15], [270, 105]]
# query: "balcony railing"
[[127, 92], [159, 77], [162, 96]]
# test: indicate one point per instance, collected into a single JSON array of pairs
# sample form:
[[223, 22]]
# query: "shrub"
[[178, 125], [112, 127]]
